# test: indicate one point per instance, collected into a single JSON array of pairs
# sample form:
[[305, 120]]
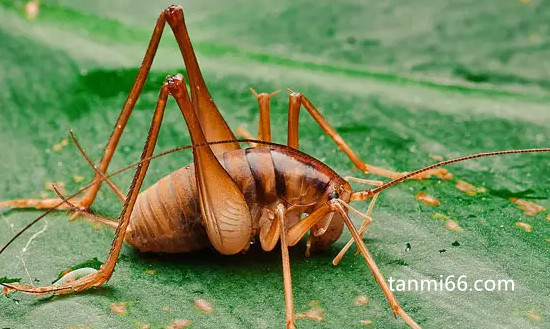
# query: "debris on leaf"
[[442, 251], [455, 244], [78, 179], [548, 218], [93, 263], [452, 225], [361, 300], [532, 314], [408, 246], [119, 308], [203, 305], [530, 208], [72, 276], [469, 189], [438, 215], [427, 199], [178, 324], [143, 325], [315, 313], [366, 322], [61, 145], [524, 226], [60, 186], [151, 272], [166, 308], [436, 157], [31, 9]]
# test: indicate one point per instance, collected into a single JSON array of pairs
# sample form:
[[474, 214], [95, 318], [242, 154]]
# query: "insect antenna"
[[364, 195], [112, 185], [119, 171]]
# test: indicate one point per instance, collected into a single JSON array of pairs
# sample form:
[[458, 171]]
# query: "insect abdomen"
[[166, 217]]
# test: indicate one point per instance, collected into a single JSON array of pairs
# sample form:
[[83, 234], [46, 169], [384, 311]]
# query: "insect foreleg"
[[336, 205], [366, 217], [296, 232], [287, 276]]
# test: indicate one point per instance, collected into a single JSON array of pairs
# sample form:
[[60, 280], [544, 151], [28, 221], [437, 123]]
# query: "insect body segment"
[[167, 215]]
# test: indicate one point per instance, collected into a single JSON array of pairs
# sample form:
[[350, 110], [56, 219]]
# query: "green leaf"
[[403, 83], [9, 280]]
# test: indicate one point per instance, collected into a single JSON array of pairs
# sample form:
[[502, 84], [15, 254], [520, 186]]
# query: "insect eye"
[[333, 195]]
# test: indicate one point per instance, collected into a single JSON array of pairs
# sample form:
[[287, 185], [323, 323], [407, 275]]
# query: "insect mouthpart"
[[333, 195]]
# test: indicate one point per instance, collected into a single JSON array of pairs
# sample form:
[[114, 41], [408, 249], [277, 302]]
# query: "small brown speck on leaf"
[[469, 188], [143, 325], [31, 9], [361, 300], [548, 218], [61, 145], [548, 240], [439, 215], [366, 322], [119, 308], [532, 314], [166, 309], [60, 186], [436, 157], [151, 272], [315, 313], [178, 324], [426, 199], [528, 207], [204, 306], [524, 226], [452, 225]]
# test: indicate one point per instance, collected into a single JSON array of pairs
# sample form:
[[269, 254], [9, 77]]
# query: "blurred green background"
[[403, 82]]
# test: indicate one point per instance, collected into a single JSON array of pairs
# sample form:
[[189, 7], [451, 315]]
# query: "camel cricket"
[[229, 196]]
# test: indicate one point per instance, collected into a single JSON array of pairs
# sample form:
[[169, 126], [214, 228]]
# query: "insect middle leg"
[[264, 125], [296, 100]]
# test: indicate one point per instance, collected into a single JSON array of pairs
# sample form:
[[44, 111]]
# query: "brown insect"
[[229, 195]]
